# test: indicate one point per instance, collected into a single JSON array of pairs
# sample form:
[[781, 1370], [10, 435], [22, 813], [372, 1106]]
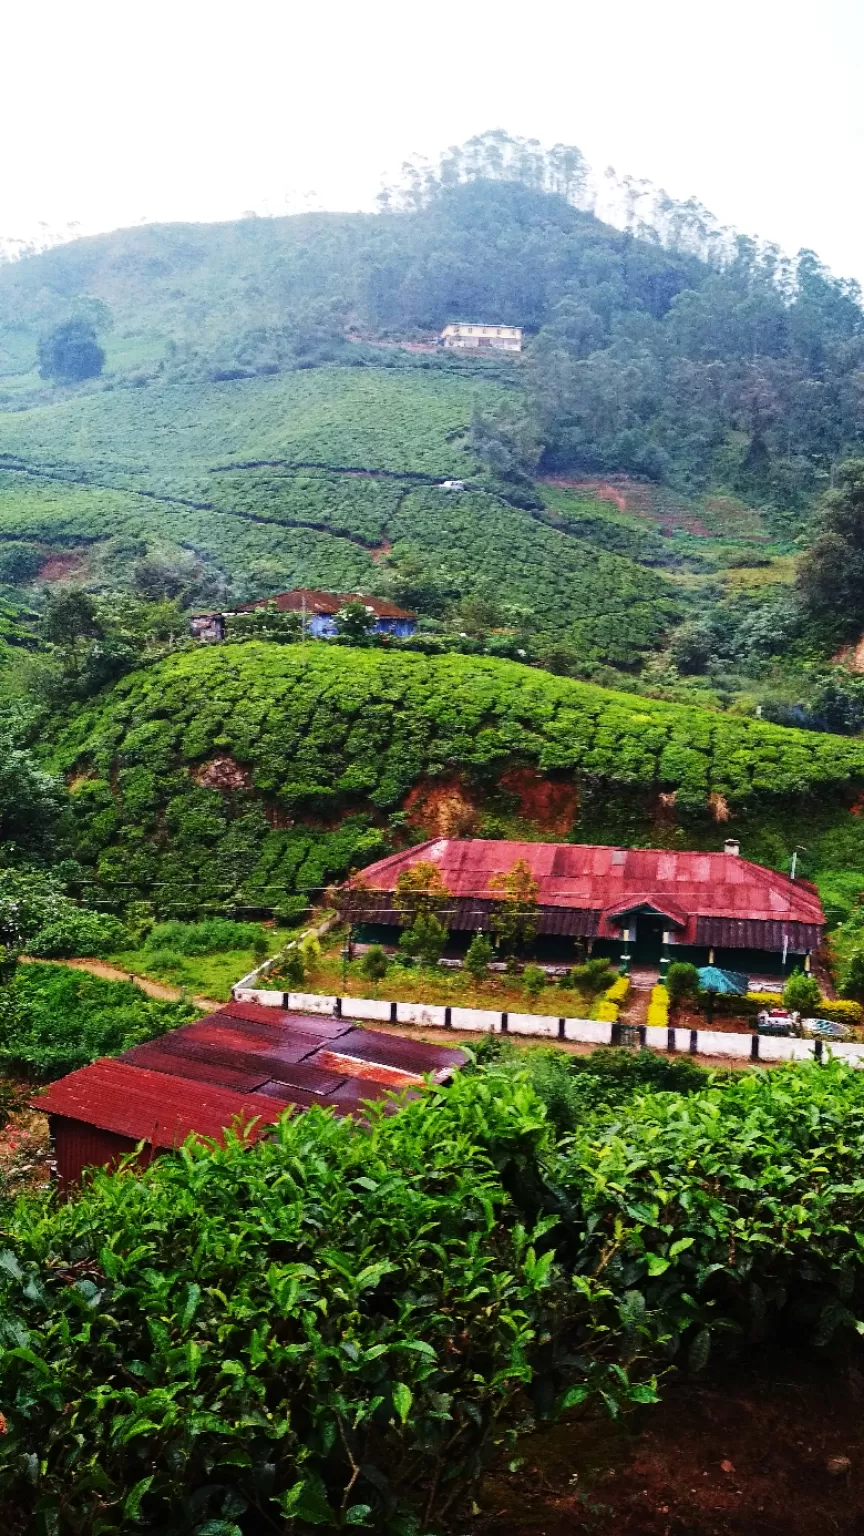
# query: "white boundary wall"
[[549, 1027]]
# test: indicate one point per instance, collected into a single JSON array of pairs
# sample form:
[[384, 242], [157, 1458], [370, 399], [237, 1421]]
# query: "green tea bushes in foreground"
[[336, 1325], [328, 743], [53, 1020], [326, 1329]]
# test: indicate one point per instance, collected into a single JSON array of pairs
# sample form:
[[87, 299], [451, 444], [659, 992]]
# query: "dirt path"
[[159, 989]]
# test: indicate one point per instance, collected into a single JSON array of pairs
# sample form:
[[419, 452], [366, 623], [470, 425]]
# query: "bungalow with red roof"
[[316, 609], [648, 904]]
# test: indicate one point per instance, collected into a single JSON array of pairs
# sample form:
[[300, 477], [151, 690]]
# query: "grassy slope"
[[333, 741]]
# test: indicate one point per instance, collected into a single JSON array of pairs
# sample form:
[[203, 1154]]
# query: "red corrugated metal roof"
[[244, 1061], [150, 1106], [609, 880], [323, 603]]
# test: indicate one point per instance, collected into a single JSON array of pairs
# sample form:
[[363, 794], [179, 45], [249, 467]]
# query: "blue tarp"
[[713, 979]]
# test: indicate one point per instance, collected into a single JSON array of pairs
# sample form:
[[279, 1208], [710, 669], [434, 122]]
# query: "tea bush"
[[332, 741], [335, 1325], [328, 1328]]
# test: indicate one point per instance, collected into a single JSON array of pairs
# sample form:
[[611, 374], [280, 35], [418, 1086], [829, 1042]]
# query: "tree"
[[514, 913], [31, 802], [356, 622], [830, 578], [71, 353], [533, 980], [853, 976], [801, 993], [69, 617], [421, 889], [374, 964], [425, 939], [480, 952]]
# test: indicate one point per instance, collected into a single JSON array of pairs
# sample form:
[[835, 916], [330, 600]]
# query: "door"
[[649, 939]]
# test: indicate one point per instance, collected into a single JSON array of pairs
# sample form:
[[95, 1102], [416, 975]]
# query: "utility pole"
[[303, 619], [795, 853]]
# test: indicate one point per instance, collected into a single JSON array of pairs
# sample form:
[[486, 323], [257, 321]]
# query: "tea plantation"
[[325, 743], [307, 479]]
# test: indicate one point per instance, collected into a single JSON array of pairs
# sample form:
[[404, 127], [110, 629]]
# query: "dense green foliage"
[[38, 917], [335, 1326], [53, 1019], [161, 477], [71, 353], [671, 349], [329, 742], [326, 1328], [30, 801]]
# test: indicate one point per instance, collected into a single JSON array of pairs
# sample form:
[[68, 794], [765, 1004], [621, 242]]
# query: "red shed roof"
[[611, 882], [244, 1062], [317, 602], [148, 1106]]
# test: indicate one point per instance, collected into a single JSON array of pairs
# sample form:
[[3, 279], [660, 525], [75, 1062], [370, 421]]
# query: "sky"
[[116, 111]]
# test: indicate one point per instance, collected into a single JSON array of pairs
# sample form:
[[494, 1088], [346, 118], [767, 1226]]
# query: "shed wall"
[[78, 1145]]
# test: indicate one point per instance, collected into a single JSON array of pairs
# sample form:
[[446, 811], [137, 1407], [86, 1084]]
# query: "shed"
[[243, 1065]]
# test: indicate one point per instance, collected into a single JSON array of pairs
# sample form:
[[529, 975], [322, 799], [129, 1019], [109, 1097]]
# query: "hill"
[[250, 771], [311, 478], [263, 423]]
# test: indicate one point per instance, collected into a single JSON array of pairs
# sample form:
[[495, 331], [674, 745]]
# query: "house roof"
[[323, 603], [685, 887], [245, 1062]]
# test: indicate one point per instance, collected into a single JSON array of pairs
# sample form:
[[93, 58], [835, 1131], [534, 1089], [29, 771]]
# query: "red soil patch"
[[382, 551], [62, 567], [549, 803], [223, 773], [441, 809], [770, 1446]]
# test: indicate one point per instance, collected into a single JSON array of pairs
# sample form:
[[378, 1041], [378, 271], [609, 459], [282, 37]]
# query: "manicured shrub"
[[801, 993], [593, 977], [682, 983], [841, 1010], [658, 1008]]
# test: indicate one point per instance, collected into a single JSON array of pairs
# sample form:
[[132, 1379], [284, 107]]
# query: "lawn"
[[436, 985], [203, 975]]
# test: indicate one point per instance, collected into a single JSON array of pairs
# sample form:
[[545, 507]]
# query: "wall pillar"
[[664, 954], [625, 951]]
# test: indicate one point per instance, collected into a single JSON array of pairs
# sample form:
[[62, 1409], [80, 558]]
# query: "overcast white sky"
[[116, 110]]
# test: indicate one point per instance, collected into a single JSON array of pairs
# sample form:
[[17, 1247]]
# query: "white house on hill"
[[497, 338]]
